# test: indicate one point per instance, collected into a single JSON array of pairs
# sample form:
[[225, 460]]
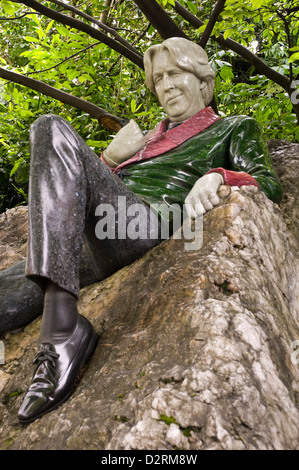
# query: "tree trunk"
[[104, 14]]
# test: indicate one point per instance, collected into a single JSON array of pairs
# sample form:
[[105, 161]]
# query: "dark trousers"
[[68, 182]]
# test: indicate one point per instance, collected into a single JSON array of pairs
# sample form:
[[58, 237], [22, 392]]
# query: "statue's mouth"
[[172, 98]]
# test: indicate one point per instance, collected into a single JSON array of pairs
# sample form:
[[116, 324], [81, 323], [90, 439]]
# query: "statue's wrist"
[[108, 160]]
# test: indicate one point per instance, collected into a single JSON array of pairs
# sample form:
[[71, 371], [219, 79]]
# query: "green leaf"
[[133, 105], [62, 30], [31, 39], [72, 74], [257, 4], [35, 19], [8, 8], [294, 57], [192, 7], [85, 77], [2, 142], [95, 143], [226, 73], [201, 29], [41, 33], [16, 166], [227, 33], [49, 26]]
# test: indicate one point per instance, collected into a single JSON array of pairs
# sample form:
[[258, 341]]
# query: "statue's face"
[[178, 91]]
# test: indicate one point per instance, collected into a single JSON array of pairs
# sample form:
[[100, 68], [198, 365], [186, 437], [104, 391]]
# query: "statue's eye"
[[157, 79]]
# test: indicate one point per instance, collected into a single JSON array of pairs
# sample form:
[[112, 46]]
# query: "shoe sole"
[[91, 347]]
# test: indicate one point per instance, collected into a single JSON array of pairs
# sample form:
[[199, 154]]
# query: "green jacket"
[[233, 143]]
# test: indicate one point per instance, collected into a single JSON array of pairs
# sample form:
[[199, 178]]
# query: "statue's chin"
[[177, 115]]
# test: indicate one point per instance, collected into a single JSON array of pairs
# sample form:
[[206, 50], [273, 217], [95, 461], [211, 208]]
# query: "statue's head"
[[178, 72]]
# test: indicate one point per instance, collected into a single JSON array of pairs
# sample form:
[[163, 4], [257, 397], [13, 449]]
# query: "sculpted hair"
[[186, 55]]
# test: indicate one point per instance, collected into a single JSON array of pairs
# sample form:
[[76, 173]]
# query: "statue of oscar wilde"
[[182, 161]]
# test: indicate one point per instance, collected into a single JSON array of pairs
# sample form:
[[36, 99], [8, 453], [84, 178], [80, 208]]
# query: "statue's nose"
[[168, 83]]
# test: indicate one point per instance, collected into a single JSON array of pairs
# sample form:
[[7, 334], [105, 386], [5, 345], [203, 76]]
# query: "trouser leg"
[[21, 300], [67, 183]]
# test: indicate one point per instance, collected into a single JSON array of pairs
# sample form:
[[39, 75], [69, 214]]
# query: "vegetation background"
[[92, 50]]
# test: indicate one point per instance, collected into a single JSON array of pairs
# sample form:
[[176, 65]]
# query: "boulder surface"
[[197, 348]]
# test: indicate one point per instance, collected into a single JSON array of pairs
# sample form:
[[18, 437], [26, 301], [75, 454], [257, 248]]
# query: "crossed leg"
[[68, 182]]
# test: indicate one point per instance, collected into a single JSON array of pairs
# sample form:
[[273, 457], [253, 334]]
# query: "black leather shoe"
[[57, 368]]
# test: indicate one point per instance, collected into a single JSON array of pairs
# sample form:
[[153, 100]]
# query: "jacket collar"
[[161, 139]]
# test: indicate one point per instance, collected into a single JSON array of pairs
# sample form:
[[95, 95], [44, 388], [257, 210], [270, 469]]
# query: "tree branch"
[[106, 28], [65, 60], [287, 29], [164, 25], [210, 26], [18, 17], [292, 10], [107, 120], [260, 66], [84, 27], [158, 17], [104, 14]]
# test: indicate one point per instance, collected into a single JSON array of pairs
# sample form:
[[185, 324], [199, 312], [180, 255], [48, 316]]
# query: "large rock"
[[285, 156], [196, 348], [13, 236]]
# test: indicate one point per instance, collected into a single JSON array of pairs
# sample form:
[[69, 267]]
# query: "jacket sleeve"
[[249, 155]]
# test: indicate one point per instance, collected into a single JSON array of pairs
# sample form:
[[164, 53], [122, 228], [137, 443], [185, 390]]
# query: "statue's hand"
[[203, 196], [128, 141]]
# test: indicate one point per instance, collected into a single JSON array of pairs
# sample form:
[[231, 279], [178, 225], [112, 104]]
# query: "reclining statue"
[[181, 162]]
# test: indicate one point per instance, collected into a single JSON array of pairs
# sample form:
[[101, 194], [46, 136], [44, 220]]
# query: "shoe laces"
[[45, 354]]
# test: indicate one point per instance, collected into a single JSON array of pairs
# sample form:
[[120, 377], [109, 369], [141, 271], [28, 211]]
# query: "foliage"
[[271, 28], [72, 61], [266, 101], [36, 44]]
